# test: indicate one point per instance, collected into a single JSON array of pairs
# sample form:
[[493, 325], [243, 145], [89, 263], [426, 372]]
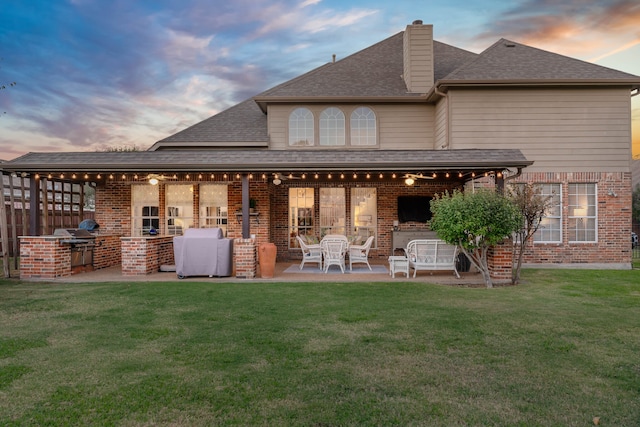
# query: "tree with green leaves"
[[533, 206], [475, 222]]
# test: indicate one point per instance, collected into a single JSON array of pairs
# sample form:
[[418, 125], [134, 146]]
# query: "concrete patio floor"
[[114, 274]]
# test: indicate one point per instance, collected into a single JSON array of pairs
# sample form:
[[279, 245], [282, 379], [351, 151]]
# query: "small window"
[[550, 230], [301, 128], [582, 213], [332, 132], [363, 126]]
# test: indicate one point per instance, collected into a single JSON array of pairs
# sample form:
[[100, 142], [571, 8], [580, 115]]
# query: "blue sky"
[[93, 74]]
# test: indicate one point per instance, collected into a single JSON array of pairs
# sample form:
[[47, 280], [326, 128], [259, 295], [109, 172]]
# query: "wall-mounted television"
[[414, 208]]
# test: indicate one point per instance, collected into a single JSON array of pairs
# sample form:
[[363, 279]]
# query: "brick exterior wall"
[[613, 244], [113, 208]]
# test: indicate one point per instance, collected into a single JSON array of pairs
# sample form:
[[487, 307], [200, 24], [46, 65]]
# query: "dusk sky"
[[93, 74]]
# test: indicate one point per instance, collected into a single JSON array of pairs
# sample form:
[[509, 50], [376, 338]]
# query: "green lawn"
[[558, 350]]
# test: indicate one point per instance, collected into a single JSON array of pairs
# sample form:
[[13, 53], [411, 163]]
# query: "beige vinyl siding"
[[399, 126], [571, 130], [441, 124]]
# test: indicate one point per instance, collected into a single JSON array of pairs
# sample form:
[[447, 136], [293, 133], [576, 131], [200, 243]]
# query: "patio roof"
[[267, 161]]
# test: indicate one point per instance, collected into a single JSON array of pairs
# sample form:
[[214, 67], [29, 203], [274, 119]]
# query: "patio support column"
[[34, 206], [246, 219]]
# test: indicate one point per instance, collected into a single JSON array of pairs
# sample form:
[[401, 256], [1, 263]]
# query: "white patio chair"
[[360, 253], [310, 253], [334, 251]]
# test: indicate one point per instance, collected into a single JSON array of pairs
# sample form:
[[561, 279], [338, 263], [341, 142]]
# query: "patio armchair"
[[360, 253], [310, 253], [334, 251]]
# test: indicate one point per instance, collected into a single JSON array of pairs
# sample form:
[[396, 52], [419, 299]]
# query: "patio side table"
[[398, 264]]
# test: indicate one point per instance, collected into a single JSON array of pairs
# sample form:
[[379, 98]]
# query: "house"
[[340, 148]]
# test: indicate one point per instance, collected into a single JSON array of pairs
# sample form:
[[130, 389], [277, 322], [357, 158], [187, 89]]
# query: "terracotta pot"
[[267, 257]]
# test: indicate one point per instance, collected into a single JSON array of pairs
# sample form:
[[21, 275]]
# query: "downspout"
[[448, 128], [505, 179]]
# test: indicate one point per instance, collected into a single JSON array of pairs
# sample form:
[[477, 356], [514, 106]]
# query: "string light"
[[61, 176], [460, 175], [329, 176], [224, 176], [393, 175], [186, 176], [304, 176], [381, 176], [99, 176], [200, 176], [447, 175], [355, 176], [316, 176], [341, 176], [368, 175]]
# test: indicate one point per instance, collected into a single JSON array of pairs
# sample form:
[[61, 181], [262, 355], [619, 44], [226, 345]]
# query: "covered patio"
[[248, 175]]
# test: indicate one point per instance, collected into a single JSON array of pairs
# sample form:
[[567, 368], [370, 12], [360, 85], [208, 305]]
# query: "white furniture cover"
[[203, 252]]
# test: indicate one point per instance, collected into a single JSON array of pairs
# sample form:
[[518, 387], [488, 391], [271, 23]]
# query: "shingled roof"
[[242, 125], [508, 61]]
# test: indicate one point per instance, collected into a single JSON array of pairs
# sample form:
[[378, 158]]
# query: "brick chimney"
[[418, 57]]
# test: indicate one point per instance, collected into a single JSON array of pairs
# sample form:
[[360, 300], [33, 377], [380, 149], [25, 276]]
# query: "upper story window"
[[301, 131], [332, 130], [363, 126], [317, 126]]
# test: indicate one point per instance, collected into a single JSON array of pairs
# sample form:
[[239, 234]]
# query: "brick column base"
[[145, 255], [500, 260], [44, 257], [244, 252]]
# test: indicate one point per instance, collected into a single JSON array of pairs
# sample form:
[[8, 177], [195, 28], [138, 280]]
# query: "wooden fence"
[[61, 206]]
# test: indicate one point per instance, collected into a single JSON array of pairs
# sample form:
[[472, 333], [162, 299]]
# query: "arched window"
[[332, 127], [301, 127], [363, 126]]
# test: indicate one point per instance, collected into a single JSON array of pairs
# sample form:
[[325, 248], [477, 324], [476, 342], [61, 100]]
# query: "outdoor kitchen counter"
[[145, 254]]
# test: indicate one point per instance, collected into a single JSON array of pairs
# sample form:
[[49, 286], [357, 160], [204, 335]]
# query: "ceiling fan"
[[155, 178], [279, 177], [410, 178]]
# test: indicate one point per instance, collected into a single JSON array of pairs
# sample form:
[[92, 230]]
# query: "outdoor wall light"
[[277, 181], [153, 181], [409, 181]]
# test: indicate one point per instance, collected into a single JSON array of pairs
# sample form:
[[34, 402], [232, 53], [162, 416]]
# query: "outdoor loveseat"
[[432, 254], [203, 252]]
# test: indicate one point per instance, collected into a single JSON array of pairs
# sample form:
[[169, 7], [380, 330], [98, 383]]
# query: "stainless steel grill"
[[81, 243]]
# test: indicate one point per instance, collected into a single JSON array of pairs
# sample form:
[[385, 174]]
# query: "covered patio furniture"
[[310, 253], [360, 253], [334, 251], [203, 252]]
